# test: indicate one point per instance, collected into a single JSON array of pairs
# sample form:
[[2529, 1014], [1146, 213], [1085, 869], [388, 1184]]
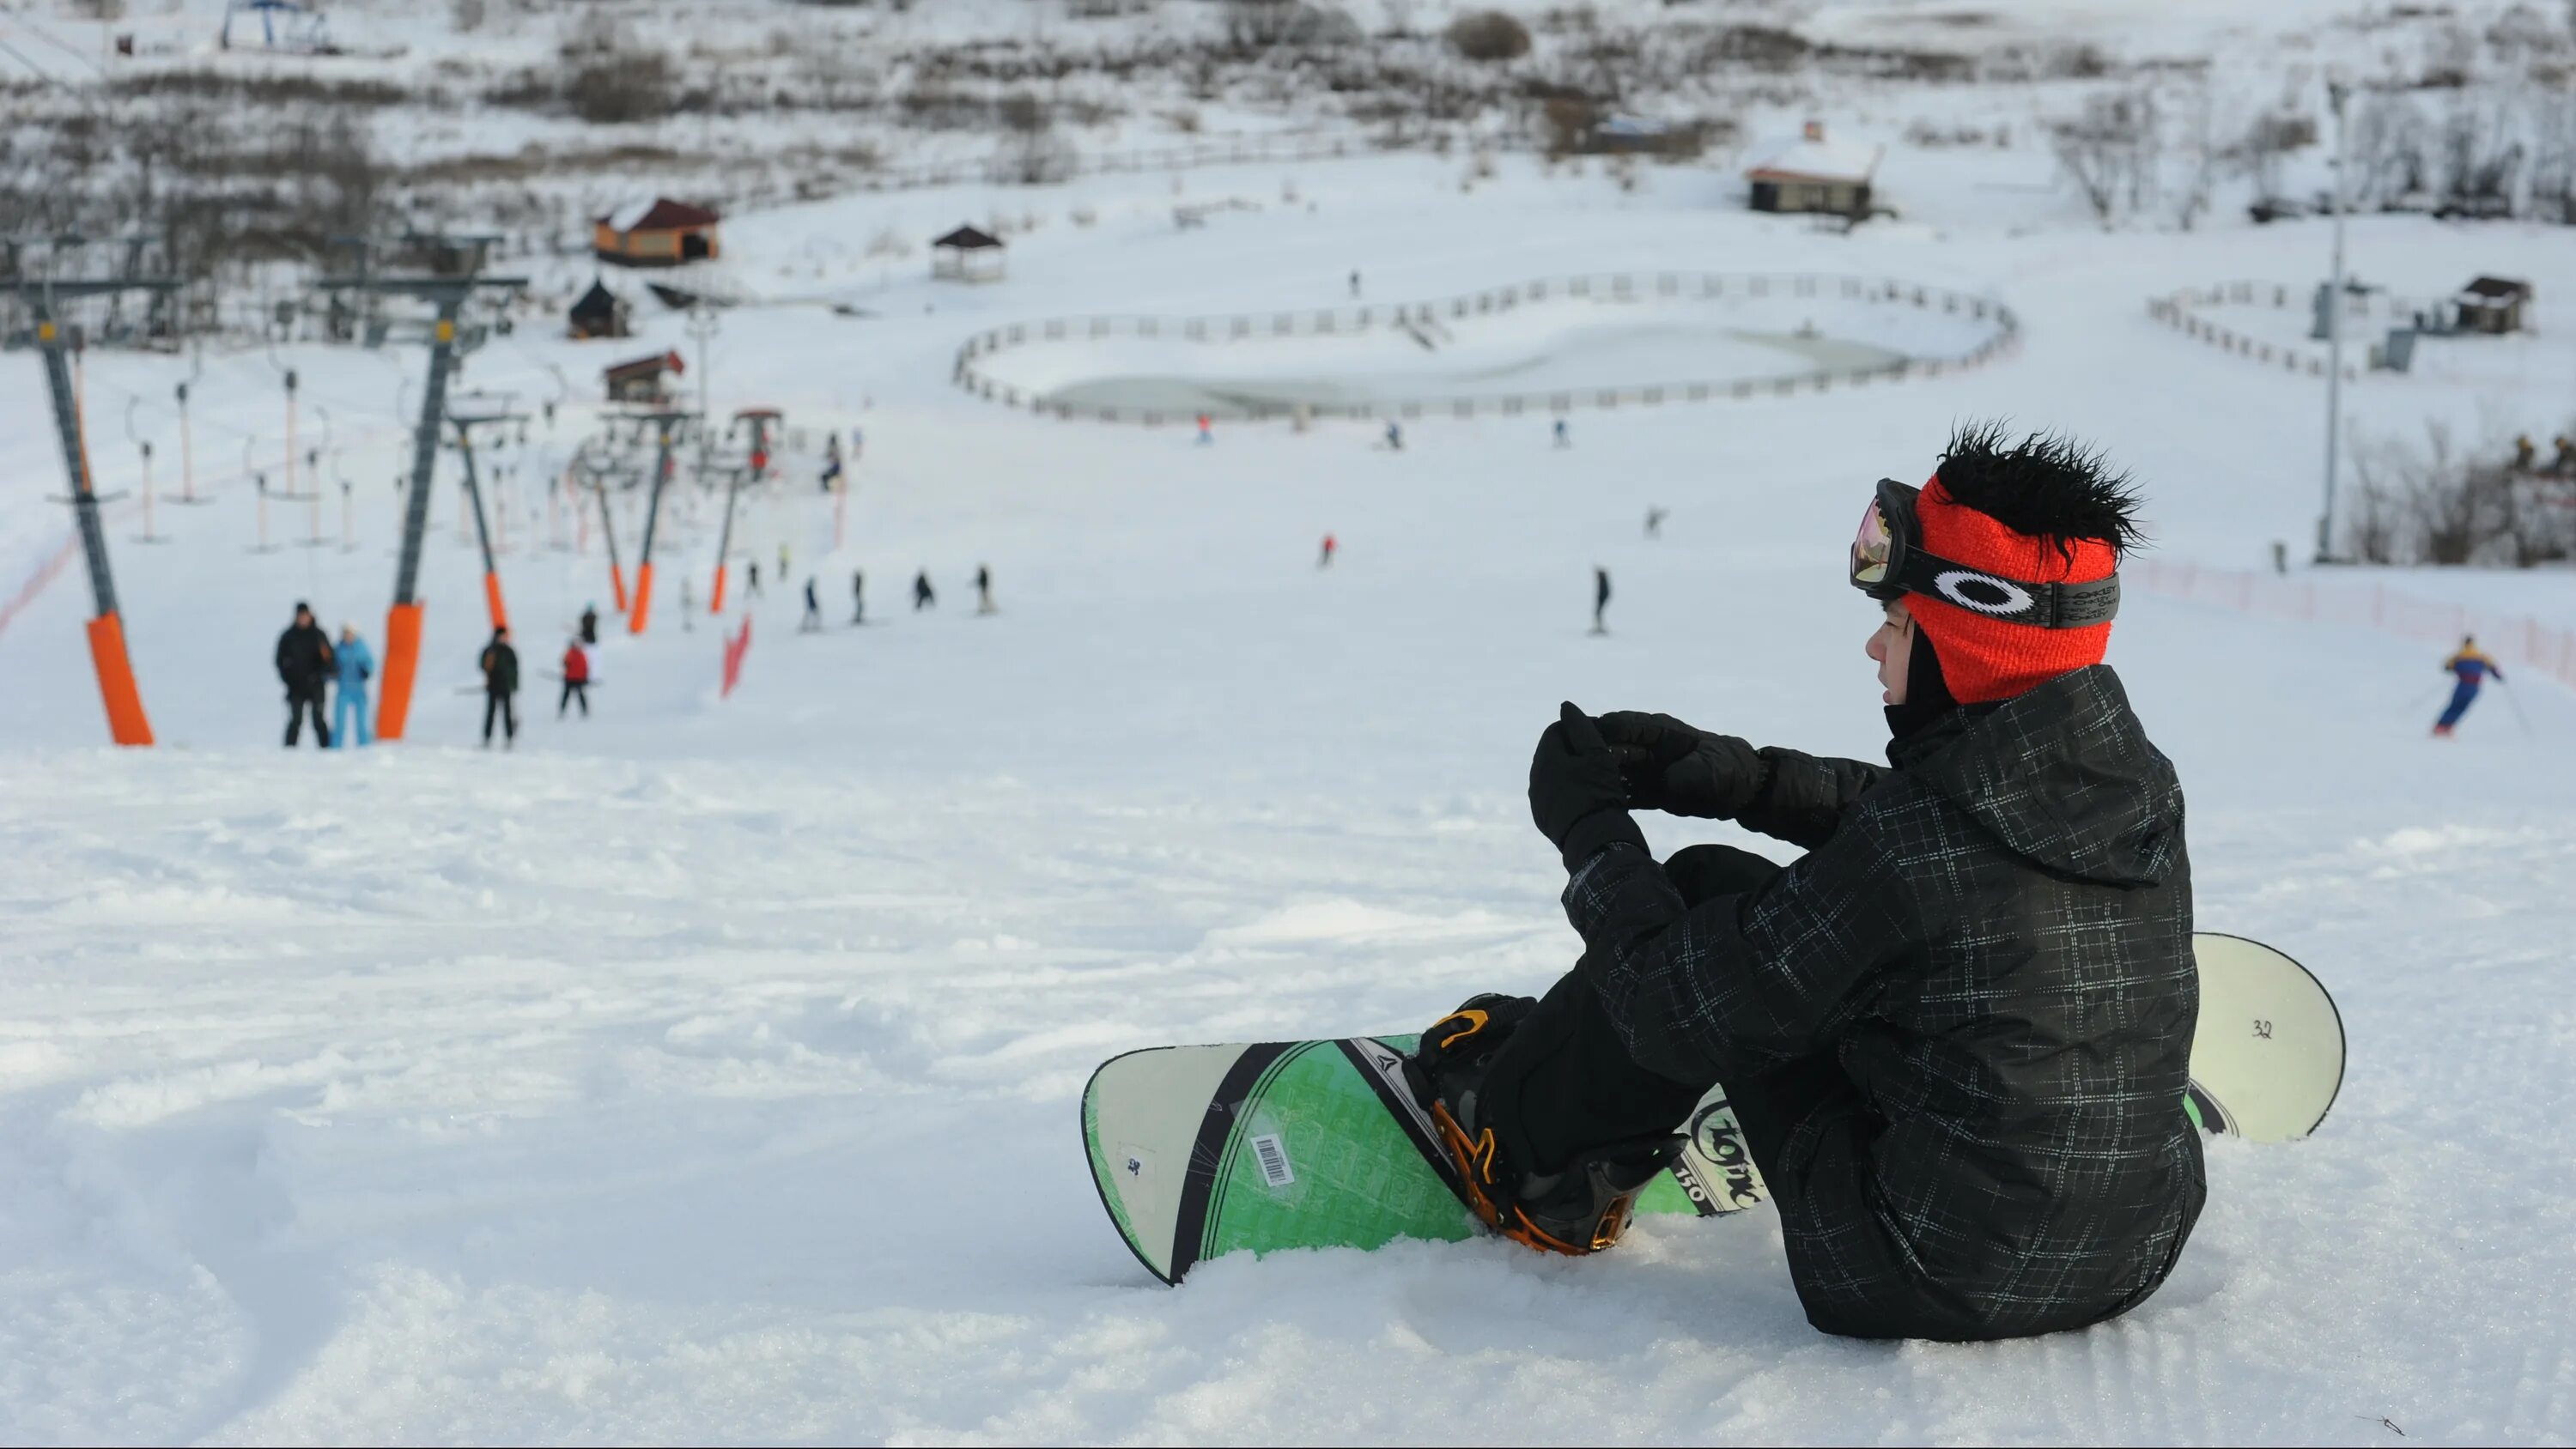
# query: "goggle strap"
[[2052, 606]]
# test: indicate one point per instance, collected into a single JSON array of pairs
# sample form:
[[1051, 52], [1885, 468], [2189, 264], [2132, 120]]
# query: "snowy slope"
[[708, 1071]]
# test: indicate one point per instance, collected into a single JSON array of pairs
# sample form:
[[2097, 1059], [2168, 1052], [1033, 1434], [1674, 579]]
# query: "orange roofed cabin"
[[659, 233]]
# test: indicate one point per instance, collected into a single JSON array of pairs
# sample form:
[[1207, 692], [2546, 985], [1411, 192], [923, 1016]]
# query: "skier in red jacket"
[[576, 675]]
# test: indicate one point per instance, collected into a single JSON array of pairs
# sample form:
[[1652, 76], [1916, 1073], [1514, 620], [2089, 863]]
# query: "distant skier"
[[1562, 440], [812, 623], [1324, 560], [500, 664], [2470, 666], [858, 597], [1394, 436], [751, 580], [1600, 598], [1952, 1035], [1654, 521], [1205, 436], [922, 597], [576, 679], [304, 666], [983, 589], [355, 666], [688, 607], [782, 563], [1355, 281], [590, 623]]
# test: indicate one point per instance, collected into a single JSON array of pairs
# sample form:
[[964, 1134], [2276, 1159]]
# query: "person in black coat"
[[858, 596], [922, 597], [1955, 1034], [500, 683], [590, 623], [305, 664]]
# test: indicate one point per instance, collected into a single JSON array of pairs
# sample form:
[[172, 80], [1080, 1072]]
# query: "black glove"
[[1576, 795], [1669, 766]]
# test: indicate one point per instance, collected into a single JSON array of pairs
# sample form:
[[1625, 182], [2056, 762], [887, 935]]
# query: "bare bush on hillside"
[[2111, 151], [2434, 505], [1488, 35]]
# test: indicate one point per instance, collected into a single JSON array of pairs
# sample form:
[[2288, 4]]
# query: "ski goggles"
[[1888, 562]]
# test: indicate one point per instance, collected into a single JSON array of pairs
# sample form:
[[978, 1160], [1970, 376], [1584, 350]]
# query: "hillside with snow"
[[706, 1069]]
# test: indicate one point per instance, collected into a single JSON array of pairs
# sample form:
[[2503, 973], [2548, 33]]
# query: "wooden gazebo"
[[968, 254]]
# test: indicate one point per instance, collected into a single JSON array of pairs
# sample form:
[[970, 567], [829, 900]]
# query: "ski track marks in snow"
[[535, 1149], [709, 1072]]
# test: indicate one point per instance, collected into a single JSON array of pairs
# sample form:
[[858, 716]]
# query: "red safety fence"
[[2511, 638], [44, 574]]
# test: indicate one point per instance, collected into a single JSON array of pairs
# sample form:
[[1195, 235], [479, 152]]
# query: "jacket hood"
[[2063, 776]]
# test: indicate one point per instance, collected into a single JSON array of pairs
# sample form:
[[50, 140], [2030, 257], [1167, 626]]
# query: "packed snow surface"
[[707, 1071]]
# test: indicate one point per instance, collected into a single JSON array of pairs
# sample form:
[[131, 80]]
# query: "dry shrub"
[[1489, 36]]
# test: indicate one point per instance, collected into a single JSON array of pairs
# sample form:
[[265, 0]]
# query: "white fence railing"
[[2004, 334], [2178, 310], [2512, 638]]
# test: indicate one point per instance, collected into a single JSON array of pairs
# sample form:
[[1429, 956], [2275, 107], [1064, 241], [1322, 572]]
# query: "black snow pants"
[[573, 689], [298, 701], [1577, 1088], [496, 705]]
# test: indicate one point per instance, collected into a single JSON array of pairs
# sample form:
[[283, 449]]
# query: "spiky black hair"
[[2046, 485]]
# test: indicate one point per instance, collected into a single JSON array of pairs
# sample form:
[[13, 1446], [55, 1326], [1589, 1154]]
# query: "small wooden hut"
[[599, 313], [656, 233]]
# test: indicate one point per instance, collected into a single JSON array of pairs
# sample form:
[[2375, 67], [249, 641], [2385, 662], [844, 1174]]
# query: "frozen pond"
[[1567, 347]]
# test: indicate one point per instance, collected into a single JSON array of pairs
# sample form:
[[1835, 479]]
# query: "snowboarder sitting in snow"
[[2471, 666], [1955, 1033]]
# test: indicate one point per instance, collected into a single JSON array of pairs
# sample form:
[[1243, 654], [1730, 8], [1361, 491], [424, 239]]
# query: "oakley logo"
[[1984, 593]]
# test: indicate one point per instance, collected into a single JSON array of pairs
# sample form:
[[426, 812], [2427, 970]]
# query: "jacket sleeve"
[[1773, 972], [283, 673], [1804, 798]]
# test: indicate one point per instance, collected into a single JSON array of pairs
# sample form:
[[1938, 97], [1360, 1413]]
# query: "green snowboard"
[[1200, 1151]]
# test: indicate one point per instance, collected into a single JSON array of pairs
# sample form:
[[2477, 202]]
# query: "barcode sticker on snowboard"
[[1274, 1160]]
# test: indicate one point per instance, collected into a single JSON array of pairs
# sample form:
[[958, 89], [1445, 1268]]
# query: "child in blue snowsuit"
[[2472, 666], [356, 666]]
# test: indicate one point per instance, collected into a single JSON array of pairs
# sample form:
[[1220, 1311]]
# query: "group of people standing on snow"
[[310, 665], [923, 597]]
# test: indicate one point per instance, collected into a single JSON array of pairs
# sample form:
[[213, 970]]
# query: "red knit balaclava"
[[1985, 658]]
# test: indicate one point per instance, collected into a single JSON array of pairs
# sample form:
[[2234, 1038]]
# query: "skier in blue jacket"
[[356, 666], [2472, 666]]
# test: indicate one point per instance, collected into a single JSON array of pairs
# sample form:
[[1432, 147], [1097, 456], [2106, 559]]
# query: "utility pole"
[[447, 292], [760, 421], [126, 722], [662, 423], [703, 326], [474, 496], [143, 445], [187, 452], [2337, 94]]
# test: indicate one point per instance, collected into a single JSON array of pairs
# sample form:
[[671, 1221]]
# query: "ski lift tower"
[[448, 292], [126, 722]]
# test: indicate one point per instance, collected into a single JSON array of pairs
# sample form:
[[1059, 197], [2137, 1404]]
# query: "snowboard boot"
[[1580, 1209]]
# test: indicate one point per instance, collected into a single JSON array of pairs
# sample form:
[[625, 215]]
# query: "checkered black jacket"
[[1993, 940]]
